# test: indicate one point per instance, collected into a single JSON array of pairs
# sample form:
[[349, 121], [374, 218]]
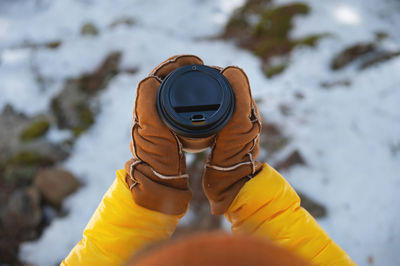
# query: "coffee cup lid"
[[195, 101]]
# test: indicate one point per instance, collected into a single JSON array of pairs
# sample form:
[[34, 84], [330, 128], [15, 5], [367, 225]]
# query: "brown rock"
[[23, 209], [73, 108], [20, 220], [94, 82], [55, 185], [293, 159], [272, 140], [378, 59], [89, 29], [314, 208], [351, 53]]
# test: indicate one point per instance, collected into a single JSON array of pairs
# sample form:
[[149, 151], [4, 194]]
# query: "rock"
[[55, 185], [337, 83], [89, 29], [128, 21], [24, 151], [299, 95], [27, 157], [53, 45], [20, 142], [35, 130], [271, 71], [285, 109], [11, 124], [20, 220], [9, 249], [378, 59], [72, 107], [314, 208], [129, 70], [351, 53], [294, 158], [394, 148], [202, 219], [272, 139], [369, 54], [19, 175], [380, 35], [22, 210], [98, 80]]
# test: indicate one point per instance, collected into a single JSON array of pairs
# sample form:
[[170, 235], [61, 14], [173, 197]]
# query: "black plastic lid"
[[195, 101]]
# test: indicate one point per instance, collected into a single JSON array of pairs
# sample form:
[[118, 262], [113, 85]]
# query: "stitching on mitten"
[[168, 177], [217, 68], [180, 151], [225, 169], [163, 64], [132, 167], [153, 76], [134, 182], [233, 167], [251, 156], [253, 118], [210, 156], [172, 60], [254, 115], [225, 68], [134, 123], [179, 144], [253, 166]]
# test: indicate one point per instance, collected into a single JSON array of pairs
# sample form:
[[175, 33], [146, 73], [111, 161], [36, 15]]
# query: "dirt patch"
[[202, 219], [294, 158], [272, 140], [264, 29], [379, 58], [26, 189], [365, 55], [73, 108], [317, 210], [352, 53]]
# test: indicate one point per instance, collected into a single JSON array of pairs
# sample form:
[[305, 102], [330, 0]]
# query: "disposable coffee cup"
[[195, 102]]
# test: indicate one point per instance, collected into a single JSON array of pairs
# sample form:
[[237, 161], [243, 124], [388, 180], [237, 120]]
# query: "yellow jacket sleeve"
[[267, 206], [119, 228]]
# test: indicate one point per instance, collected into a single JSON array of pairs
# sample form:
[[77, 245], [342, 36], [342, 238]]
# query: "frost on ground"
[[348, 133]]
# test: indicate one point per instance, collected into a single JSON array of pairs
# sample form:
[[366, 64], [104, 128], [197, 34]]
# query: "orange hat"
[[217, 248]]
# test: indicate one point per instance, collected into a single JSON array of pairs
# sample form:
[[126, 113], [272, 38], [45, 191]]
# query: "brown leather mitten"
[[232, 161], [157, 173]]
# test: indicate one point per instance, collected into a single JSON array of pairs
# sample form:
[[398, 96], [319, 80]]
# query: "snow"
[[349, 136], [347, 15]]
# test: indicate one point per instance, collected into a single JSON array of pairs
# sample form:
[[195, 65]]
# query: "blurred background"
[[325, 74]]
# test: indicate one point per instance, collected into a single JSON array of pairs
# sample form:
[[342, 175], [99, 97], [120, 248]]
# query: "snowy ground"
[[349, 136]]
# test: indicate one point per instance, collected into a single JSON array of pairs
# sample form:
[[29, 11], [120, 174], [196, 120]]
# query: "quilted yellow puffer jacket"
[[267, 206]]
